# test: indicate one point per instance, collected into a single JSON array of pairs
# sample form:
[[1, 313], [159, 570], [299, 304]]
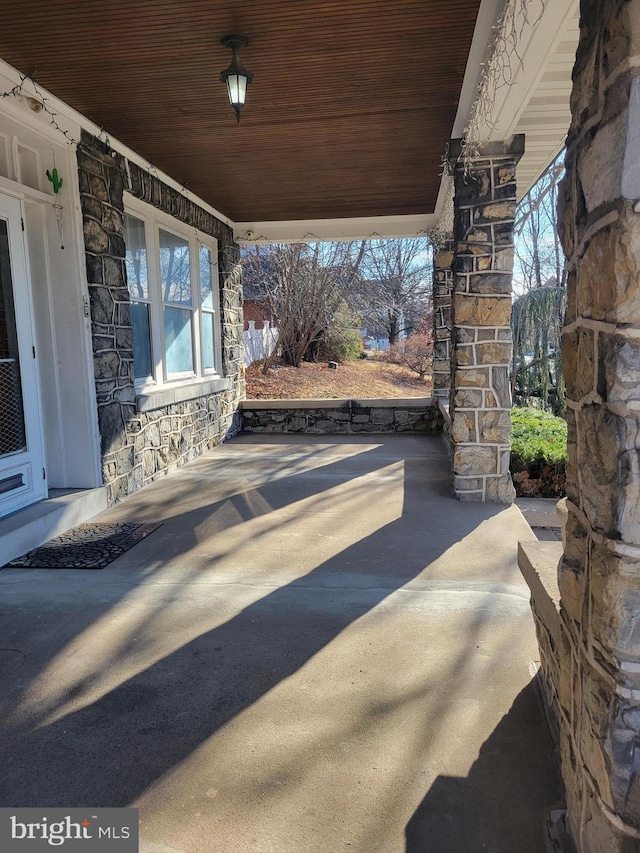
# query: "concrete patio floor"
[[318, 650]]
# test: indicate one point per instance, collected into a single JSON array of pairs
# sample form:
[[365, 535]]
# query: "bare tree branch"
[[303, 287], [396, 285]]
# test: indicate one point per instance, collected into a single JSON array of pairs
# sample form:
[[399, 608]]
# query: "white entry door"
[[22, 474]]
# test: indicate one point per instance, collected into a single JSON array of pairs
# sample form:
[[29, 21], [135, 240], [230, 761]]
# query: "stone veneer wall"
[[442, 290], [342, 416], [138, 446], [597, 670], [484, 212]]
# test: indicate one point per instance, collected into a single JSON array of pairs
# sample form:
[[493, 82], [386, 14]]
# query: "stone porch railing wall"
[[480, 404], [592, 667], [142, 439], [343, 417]]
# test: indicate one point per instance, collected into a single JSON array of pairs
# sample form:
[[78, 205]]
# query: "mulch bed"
[[544, 483]]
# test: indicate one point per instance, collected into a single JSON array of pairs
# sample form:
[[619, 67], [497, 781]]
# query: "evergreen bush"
[[538, 439]]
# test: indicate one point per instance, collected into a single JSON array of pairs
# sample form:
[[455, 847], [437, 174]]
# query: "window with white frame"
[[172, 277]]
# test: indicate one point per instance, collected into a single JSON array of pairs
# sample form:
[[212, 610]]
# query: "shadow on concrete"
[[511, 780], [110, 751]]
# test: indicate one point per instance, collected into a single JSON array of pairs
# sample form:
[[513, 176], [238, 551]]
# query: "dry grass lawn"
[[370, 377]]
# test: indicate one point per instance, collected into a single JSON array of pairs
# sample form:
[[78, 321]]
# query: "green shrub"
[[538, 439], [342, 340]]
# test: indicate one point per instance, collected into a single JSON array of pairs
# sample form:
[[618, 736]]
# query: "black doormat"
[[88, 546]]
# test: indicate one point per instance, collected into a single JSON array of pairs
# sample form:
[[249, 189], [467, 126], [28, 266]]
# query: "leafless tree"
[[416, 352], [303, 286], [396, 288], [539, 260], [540, 285]]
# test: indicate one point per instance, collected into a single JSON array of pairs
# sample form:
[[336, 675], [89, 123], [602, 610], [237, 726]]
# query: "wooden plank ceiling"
[[349, 113]]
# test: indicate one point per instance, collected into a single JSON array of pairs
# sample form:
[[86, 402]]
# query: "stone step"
[[32, 526], [540, 512]]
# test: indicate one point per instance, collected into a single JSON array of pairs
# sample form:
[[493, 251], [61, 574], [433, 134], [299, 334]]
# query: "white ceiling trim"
[[537, 47], [312, 230]]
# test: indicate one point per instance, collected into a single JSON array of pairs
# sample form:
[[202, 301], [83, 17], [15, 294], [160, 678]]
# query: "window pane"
[[4, 157], [205, 277], [207, 340], [29, 167], [136, 257], [177, 340], [142, 367], [175, 269]]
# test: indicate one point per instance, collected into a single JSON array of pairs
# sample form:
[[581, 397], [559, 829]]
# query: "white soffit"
[[546, 117], [536, 102]]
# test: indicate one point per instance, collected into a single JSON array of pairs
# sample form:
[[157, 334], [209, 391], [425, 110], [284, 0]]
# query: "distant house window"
[[173, 287]]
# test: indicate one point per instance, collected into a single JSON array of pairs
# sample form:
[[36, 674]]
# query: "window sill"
[[147, 401]]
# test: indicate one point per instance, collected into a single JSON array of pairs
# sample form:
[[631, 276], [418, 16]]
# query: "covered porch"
[[319, 650], [153, 162]]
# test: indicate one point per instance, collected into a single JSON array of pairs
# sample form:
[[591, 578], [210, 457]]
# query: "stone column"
[[484, 212], [442, 289], [232, 333], [599, 575]]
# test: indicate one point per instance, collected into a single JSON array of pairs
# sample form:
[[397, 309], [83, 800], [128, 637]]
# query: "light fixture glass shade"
[[237, 89]]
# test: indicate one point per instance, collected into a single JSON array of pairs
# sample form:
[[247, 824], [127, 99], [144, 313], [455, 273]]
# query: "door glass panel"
[[12, 431]]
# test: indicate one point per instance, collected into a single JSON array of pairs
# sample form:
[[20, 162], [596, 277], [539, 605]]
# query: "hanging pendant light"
[[235, 76]]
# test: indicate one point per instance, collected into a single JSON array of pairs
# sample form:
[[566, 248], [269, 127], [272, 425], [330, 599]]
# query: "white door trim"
[[29, 464]]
